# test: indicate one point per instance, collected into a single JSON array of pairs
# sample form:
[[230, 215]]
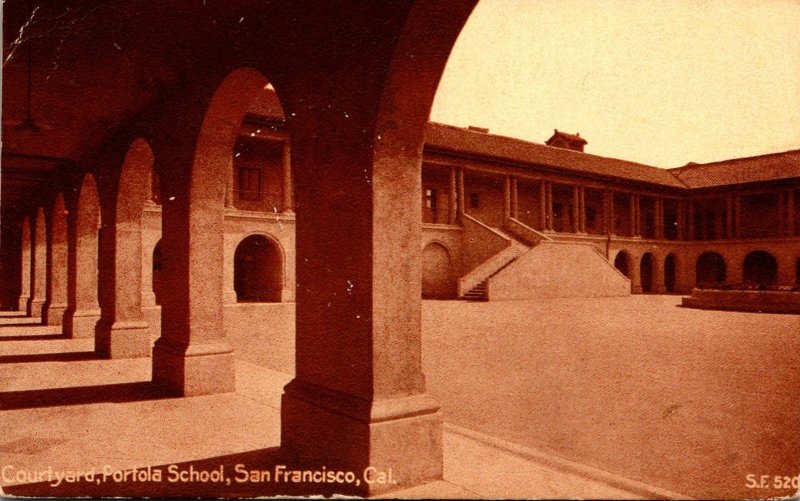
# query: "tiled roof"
[[457, 139], [773, 166]]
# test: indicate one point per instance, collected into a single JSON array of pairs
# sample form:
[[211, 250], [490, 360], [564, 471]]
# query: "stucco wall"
[[555, 269]]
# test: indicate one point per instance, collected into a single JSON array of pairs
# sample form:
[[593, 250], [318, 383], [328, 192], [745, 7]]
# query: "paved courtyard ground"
[[689, 400], [556, 398]]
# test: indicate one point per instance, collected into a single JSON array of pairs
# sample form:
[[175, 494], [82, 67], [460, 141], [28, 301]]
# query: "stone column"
[[288, 188], [25, 266], [542, 206], [690, 220], [506, 198], [659, 285], [609, 212], [229, 287], [790, 213], [737, 217], [576, 209], [549, 205], [514, 198], [122, 331], [452, 200], [635, 219], [83, 310], [53, 313], [460, 195], [636, 275], [729, 220], [39, 268], [659, 217]]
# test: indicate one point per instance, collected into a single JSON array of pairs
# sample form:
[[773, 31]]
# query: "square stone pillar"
[[56, 305], [286, 169], [507, 198], [39, 267], [542, 206], [25, 266], [548, 187], [460, 195], [514, 198], [452, 198], [358, 397], [608, 212]]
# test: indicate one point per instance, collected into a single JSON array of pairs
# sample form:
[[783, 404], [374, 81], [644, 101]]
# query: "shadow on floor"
[[81, 395], [35, 337], [71, 356], [232, 484]]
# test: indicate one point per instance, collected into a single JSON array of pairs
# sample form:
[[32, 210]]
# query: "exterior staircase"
[[527, 264]]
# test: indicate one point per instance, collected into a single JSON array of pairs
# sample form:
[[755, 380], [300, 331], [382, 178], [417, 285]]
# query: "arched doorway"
[[622, 263], [646, 272], [257, 270], [760, 268], [710, 270], [670, 267], [158, 264], [437, 272]]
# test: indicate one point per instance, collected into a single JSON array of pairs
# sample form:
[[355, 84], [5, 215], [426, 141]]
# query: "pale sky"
[[662, 82]]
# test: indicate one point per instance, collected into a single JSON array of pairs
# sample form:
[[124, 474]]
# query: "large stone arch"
[[258, 269], [438, 273], [194, 159], [56, 306], [710, 269], [83, 310], [122, 331], [760, 268]]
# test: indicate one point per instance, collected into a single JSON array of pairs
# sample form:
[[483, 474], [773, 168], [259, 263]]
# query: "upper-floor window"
[[249, 183], [430, 198]]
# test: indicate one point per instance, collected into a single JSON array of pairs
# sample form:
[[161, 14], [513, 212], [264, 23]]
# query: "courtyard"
[[616, 397]]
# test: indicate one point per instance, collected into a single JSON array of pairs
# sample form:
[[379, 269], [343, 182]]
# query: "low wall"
[[259, 333], [756, 301], [556, 269]]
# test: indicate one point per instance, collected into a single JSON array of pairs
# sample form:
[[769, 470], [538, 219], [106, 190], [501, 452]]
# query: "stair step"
[[477, 293]]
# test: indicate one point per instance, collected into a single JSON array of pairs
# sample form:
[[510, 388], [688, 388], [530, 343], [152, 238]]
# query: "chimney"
[[566, 141]]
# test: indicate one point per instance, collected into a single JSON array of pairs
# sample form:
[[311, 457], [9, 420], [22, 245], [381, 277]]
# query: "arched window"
[[257, 270], [646, 272], [157, 268], [621, 262], [438, 280], [670, 267], [710, 270], [760, 268]]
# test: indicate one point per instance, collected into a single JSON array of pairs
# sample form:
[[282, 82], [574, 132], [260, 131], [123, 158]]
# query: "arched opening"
[[57, 301], [646, 272], [622, 263], [760, 268], [257, 271], [157, 269], [84, 309], [710, 270], [797, 273], [437, 272], [670, 267]]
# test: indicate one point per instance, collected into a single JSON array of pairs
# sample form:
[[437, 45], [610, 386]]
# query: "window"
[[430, 198], [473, 200], [249, 183], [591, 216]]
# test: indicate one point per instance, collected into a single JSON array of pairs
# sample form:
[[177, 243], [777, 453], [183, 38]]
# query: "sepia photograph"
[[400, 249]]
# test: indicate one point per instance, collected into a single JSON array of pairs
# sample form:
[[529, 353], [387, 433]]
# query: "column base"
[[660, 289], [35, 307], [389, 444], [81, 323], [636, 289], [148, 299], [22, 303], [229, 297], [54, 314], [196, 369], [122, 339]]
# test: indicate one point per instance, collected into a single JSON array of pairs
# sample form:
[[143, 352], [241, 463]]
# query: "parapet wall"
[[744, 300], [558, 269]]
